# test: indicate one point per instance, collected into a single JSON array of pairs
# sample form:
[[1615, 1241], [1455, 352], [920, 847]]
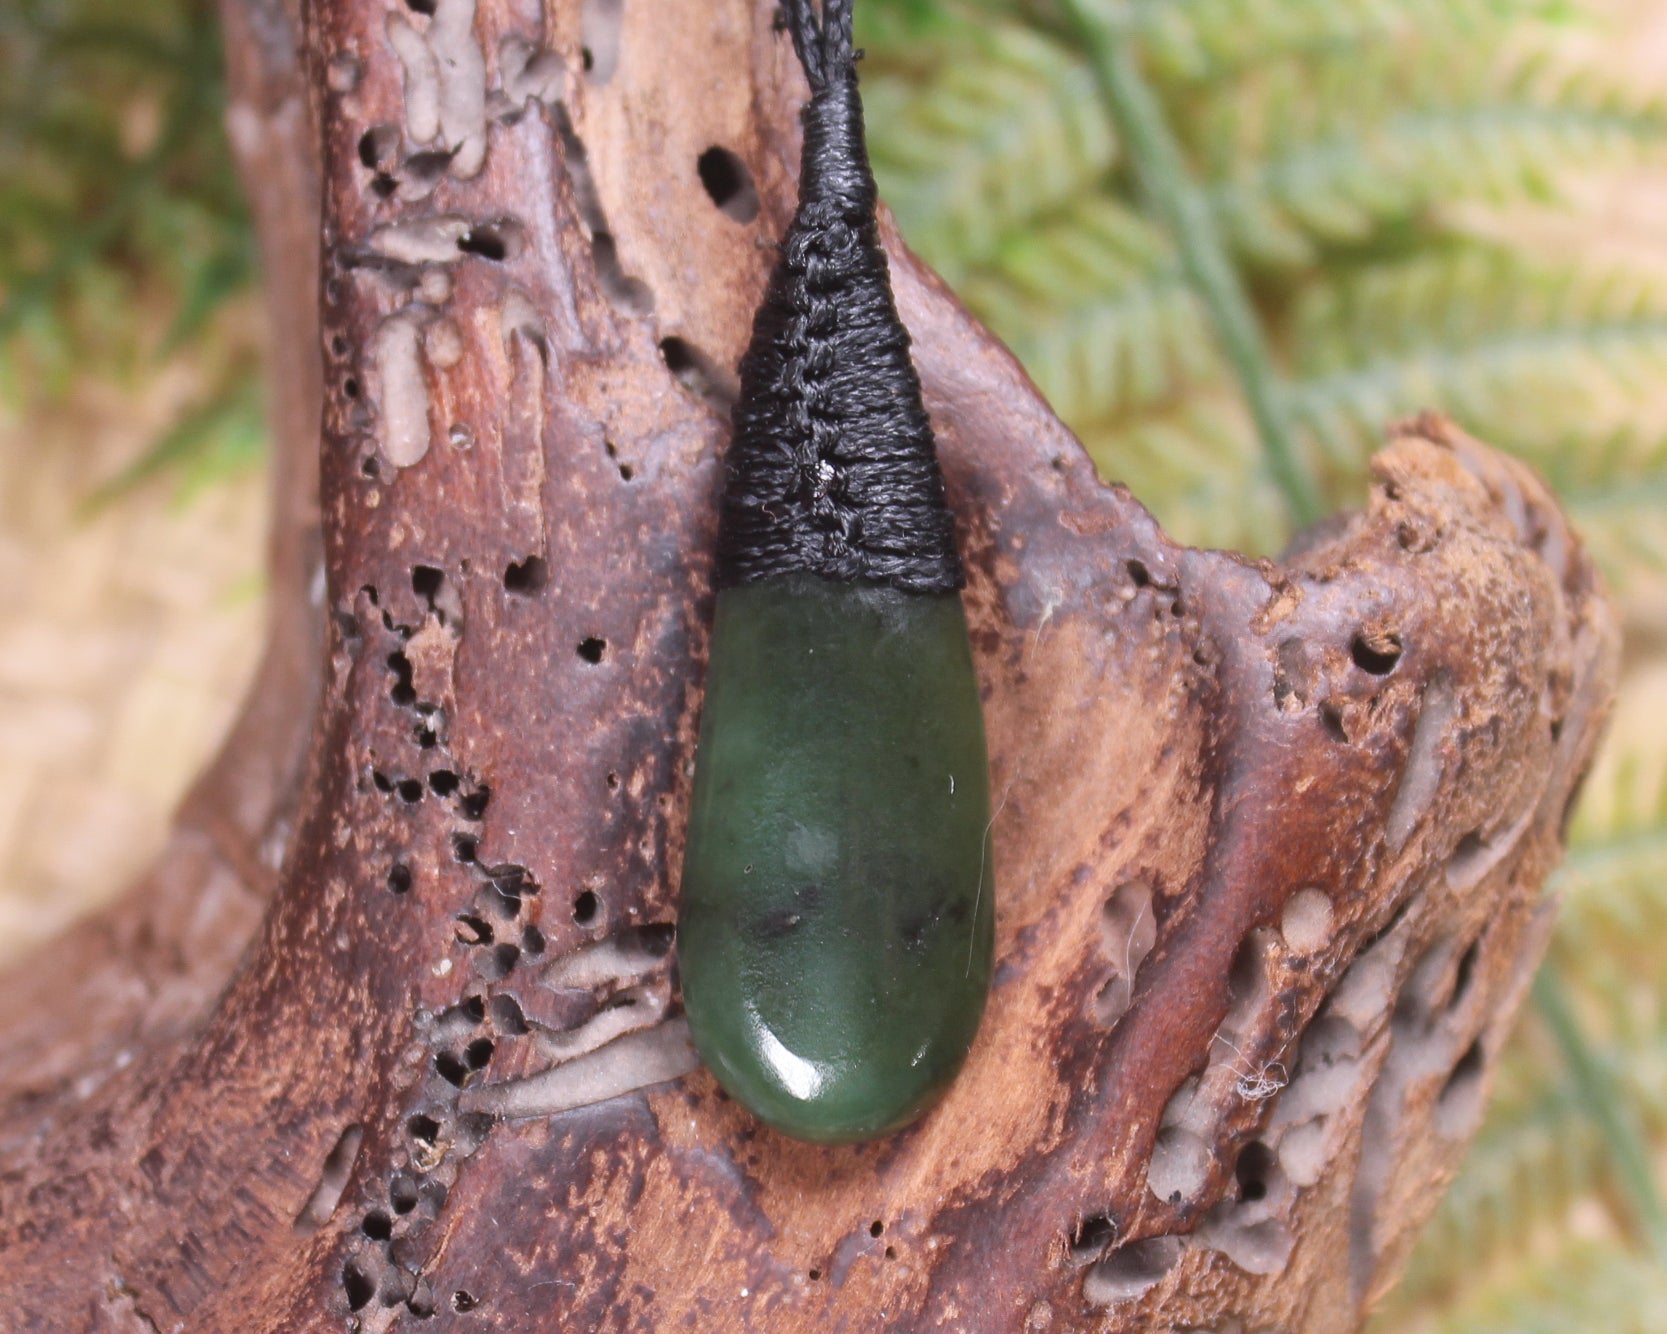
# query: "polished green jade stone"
[[837, 917]]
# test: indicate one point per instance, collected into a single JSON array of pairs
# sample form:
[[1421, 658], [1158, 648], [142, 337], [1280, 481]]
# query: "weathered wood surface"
[[1269, 839]]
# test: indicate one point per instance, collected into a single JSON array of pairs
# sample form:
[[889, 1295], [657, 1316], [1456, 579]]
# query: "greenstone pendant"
[[837, 921]]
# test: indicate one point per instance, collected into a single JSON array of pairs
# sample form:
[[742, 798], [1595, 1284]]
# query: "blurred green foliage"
[[123, 230], [1364, 163]]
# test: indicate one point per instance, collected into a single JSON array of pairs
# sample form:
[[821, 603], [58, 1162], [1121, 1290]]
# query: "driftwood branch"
[[391, 1032]]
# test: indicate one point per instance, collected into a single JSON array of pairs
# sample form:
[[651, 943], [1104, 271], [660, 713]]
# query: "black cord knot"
[[833, 469], [824, 47]]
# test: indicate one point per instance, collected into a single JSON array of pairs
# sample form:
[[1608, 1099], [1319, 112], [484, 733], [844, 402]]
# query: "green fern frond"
[[1096, 302], [1197, 464], [1537, 1157], [1386, 119], [1625, 797], [1538, 359], [1529, 1165], [1282, 208], [1540, 1154], [1322, 149], [1278, 103], [1204, 40], [1455, 294], [1614, 884], [1622, 524], [1004, 128]]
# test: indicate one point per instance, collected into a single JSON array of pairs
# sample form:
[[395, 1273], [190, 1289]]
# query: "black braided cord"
[[832, 469]]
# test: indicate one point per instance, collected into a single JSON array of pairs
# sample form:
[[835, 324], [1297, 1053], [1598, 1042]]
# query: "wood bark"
[[383, 1040]]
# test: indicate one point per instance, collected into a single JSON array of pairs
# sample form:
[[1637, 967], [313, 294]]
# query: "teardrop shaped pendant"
[[836, 928], [837, 919]]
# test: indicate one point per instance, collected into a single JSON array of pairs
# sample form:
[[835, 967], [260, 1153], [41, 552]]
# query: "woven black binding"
[[833, 470]]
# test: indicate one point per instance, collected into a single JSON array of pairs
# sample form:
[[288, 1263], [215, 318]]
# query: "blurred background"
[[1459, 204]]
